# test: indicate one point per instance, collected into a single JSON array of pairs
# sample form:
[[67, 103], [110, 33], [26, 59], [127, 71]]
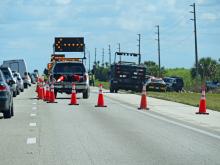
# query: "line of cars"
[[14, 78], [166, 84]]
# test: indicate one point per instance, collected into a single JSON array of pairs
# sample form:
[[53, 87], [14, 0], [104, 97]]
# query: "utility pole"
[[54, 48], [158, 43], [89, 59], [139, 48], [95, 56], [119, 50], [196, 48], [110, 58], [103, 54]]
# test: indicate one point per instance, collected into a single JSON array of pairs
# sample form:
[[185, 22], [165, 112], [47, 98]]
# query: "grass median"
[[212, 100]]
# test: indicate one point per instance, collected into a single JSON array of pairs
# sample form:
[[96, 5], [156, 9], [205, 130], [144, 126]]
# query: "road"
[[60, 134]]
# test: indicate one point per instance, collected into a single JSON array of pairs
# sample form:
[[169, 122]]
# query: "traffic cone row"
[[50, 97]]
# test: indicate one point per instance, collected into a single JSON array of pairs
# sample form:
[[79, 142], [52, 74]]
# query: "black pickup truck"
[[64, 73], [127, 76]]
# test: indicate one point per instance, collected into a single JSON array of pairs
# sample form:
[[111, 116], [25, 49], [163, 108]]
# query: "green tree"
[[207, 69], [153, 68]]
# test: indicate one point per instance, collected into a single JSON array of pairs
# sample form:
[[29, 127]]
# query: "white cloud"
[[209, 17]]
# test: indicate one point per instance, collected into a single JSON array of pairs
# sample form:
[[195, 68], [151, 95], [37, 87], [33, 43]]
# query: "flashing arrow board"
[[69, 44], [127, 54]]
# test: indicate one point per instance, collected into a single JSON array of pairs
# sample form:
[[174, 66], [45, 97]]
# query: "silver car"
[[20, 81]]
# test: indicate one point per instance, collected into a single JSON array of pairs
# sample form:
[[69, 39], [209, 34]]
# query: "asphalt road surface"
[[60, 134]]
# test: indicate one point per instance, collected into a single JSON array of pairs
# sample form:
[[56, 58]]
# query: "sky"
[[28, 29]]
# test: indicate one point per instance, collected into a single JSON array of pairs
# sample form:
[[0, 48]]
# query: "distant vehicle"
[[10, 79], [27, 80], [156, 84], [18, 65], [65, 72], [174, 83], [6, 99], [127, 76], [17, 82], [211, 85], [33, 78], [20, 81]]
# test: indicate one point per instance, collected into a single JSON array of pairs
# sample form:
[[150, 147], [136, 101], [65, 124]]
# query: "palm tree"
[[207, 68]]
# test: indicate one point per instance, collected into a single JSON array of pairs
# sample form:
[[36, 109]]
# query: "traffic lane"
[[182, 112], [15, 131], [117, 135]]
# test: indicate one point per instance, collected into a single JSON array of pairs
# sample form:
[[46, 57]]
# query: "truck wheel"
[[112, 90], [14, 93], [25, 85], [55, 94], [86, 94]]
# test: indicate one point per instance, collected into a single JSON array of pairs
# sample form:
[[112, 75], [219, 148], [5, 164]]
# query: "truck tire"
[[112, 90], [25, 85], [14, 93], [86, 94]]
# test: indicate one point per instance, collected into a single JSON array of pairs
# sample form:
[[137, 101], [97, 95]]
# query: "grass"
[[212, 100], [105, 84]]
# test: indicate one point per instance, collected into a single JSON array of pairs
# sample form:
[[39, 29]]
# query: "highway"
[[60, 134]]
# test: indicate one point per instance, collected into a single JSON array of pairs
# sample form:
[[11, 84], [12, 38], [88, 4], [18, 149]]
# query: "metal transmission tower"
[[139, 48], [110, 58], [196, 48], [158, 43]]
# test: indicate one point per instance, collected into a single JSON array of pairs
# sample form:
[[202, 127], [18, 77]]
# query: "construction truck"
[[64, 71], [127, 75]]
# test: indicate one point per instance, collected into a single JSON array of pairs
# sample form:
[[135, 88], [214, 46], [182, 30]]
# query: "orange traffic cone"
[[39, 93], [143, 103], [73, 100], [202, 104], [100, 102], [52, 95], [47, 93]]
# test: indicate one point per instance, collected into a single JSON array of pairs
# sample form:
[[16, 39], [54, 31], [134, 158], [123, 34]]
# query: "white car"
[[27, 80]]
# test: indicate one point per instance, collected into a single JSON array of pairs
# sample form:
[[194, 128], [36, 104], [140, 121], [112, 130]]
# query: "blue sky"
[[28, 28]]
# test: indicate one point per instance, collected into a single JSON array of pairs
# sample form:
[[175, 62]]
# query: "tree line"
[[208, 69]]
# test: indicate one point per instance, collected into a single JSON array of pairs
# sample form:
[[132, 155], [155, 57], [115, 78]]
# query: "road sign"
[[126, 54], [69, 44]]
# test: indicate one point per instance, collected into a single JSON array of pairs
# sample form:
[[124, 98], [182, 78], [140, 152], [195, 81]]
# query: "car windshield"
[[168, 80], [69, 68], [156, 81], [6, 73]]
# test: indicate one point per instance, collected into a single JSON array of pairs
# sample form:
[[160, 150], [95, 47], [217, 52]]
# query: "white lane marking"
[[34, 108], [32, 124], [34, 103], [32, 140], [172, 122], [32, 115]]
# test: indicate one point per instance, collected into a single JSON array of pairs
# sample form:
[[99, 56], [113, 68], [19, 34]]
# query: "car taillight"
[[3, 88], [61, 78], [85, 77], [76, 77]]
